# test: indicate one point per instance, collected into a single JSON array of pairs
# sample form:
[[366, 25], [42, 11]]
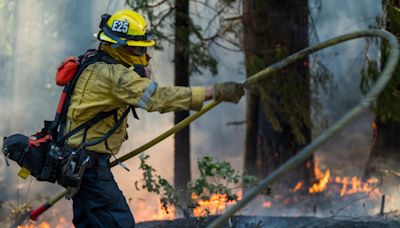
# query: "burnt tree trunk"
[[273, 29], [182, 138], [385, 150]]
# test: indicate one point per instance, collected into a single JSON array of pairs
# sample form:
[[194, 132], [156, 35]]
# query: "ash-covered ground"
[[280, 222]]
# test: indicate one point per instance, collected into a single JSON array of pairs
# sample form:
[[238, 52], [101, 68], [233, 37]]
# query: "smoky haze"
[[345, 61], [38, 35]]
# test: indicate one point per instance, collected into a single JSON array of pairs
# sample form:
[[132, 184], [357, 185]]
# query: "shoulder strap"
[[90, 57], [64, 100]]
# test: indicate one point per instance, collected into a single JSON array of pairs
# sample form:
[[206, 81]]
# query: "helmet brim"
[[104, 37]]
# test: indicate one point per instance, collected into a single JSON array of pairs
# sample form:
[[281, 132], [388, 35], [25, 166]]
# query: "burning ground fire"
[[326, 182], [148, 212], [40, 225], [217, 204], [61, 223], [54, 219], [349, 185]]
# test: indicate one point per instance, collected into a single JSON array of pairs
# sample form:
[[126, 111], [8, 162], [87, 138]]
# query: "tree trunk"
[[273, 29], [385, 150], [182, 138]]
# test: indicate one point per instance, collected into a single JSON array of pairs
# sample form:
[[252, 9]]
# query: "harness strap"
[[60, 120], [134, 112], [111, 131], [86, 125], [85, 60]]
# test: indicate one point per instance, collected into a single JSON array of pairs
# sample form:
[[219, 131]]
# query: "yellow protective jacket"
[[103, 87]]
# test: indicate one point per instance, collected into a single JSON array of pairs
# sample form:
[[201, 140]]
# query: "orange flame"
[[349, 185], [267, 204], [216, 204], [322, 178], [353, 185], [297, 187], [320, 186], [41, 225], [148, 212], [374, 126], [61, 223]]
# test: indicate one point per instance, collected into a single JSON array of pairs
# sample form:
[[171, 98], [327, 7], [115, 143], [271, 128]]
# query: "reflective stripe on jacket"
[[103, 87]]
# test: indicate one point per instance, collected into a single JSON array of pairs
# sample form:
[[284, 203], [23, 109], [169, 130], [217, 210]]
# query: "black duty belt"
[[95, 159]]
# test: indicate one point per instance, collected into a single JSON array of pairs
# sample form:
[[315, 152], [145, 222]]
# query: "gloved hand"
[[228, 91]]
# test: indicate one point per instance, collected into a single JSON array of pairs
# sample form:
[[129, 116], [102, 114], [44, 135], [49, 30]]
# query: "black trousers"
[[99, 202]]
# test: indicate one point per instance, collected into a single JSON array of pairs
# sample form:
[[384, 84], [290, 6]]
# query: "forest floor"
[[279, 222]]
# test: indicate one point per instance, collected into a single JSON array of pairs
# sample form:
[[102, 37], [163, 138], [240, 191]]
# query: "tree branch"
[[219, 12], [164, 16], [226, 48], [156, 4], [240, 17]]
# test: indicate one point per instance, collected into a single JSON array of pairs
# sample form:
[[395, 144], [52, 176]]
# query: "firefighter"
[[103, 87]]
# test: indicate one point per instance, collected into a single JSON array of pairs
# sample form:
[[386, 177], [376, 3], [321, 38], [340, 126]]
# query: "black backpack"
[[41, 154]]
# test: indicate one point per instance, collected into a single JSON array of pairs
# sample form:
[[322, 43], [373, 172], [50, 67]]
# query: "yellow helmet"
[[125, 27]]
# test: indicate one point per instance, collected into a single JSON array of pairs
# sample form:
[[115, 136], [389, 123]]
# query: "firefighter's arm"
[[130, 88]]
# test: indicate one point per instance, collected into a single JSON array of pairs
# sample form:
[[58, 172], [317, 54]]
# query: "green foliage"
[[387, 106], [215, 178], [287, 105], [161, 17], [157, 20], [393, 17], [287, 96], [156, 184], [201, 59]]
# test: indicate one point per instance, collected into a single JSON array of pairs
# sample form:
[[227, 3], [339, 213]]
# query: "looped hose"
[[307, 151]]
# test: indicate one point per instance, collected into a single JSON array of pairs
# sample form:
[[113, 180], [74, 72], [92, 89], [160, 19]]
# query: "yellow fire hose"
[[303, 154]]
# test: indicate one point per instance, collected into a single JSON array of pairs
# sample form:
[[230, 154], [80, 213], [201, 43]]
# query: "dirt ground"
[[280, 222]]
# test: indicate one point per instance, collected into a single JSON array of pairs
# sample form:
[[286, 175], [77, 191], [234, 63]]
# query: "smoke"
[[345, 61], [347, 153], [37, 35], [209, 134]]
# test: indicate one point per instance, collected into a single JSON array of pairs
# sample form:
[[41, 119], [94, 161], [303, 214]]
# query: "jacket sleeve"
[[129, 88]]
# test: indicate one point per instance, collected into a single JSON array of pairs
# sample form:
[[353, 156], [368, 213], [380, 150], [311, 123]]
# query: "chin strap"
[[107, 32]]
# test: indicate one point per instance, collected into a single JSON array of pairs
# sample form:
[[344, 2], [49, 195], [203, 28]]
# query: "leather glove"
[[228, 91]]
